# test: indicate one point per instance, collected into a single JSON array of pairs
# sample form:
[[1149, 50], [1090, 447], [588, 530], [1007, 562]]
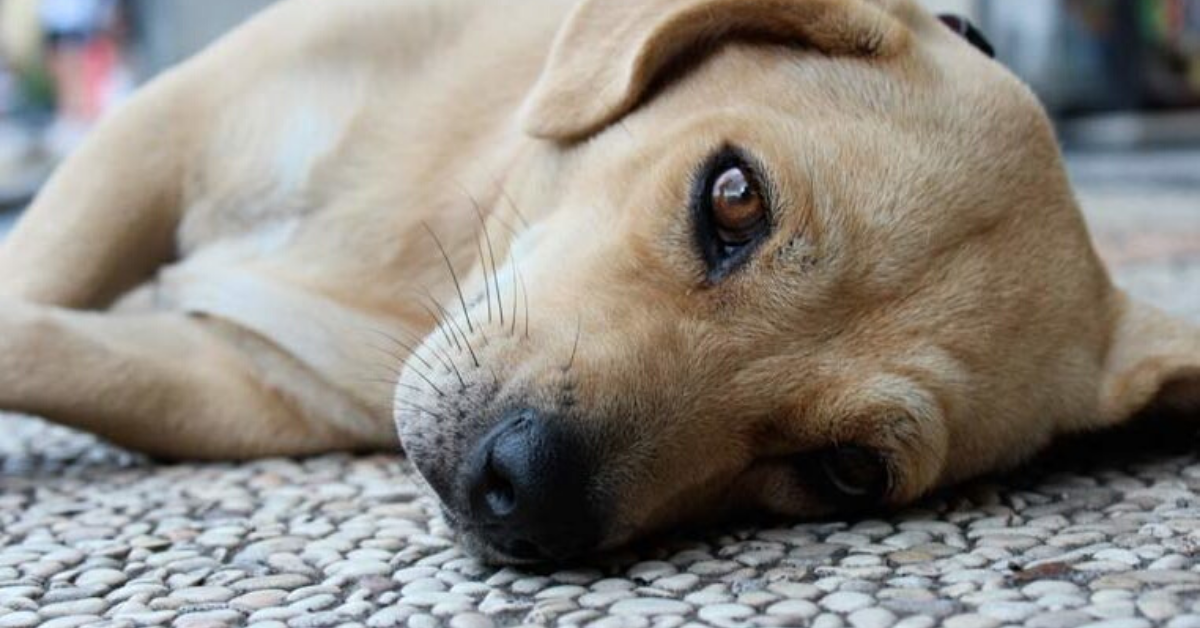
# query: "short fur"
[[243, 260]]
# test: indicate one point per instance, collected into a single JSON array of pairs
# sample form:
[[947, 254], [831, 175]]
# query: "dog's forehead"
[[939, 91], [901, 159], [927, 128], [894, 170]]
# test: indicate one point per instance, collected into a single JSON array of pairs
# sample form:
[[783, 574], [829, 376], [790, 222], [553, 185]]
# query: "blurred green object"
[[1170, 30], [35, 94]]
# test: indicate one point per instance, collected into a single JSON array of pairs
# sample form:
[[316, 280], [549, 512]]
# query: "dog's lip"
[[469, 535], [477, 544], [472, 537]]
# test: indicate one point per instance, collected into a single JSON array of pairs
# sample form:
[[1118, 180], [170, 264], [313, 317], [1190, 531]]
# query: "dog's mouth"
[[475, 542]]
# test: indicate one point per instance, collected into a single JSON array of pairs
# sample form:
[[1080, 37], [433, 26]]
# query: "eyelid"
[[807, 470]]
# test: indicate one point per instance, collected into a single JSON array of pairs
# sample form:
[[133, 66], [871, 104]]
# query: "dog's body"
[[496, 195], [234, 188]]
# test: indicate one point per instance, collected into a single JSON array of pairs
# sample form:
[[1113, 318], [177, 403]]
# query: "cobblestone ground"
[[1092, 535]]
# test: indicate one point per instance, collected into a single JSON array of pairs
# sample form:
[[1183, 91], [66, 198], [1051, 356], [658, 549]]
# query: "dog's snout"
[[529, 486]]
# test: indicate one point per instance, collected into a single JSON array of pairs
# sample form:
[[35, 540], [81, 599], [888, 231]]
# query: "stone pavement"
[[1105, 533]]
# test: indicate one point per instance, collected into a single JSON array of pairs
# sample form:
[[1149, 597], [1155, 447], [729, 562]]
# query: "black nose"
[[529, 486]]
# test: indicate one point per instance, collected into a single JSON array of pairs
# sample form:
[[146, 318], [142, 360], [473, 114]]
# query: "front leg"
[[160, 383], [238, 131]]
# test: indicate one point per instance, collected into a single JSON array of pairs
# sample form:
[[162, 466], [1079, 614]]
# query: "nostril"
[[526, 489], [523, 421], [498, 492]]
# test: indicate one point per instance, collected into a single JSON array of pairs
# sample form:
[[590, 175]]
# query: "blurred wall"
[[175, 29], [968, 8], [172, 30]]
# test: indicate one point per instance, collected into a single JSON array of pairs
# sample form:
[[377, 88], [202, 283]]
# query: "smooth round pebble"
[[471, 620], [650, 606], [971, 620], [846, 601], [872, 618]]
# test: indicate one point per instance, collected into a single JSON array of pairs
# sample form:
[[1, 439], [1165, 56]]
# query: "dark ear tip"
[[969, 32]]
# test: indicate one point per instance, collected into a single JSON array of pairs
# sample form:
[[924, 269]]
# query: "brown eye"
[[855, 475], [739, 213], [731, 212]]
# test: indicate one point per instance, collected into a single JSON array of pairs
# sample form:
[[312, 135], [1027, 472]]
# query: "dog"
[[606, 267]]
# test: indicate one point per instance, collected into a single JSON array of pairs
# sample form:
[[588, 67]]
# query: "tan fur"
[[239, 262]]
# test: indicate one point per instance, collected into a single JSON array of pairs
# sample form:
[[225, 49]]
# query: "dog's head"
[[800, 256]]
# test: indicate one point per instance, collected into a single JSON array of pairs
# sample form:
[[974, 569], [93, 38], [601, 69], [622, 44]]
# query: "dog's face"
[[802, 280]]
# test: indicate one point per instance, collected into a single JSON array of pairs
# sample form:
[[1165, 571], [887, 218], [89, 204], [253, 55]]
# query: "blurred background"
[[1120, 77]]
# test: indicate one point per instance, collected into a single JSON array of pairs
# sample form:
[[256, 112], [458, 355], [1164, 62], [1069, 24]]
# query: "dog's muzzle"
[[527, 490]]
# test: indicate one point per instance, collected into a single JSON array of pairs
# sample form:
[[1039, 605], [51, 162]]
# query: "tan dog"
[[643, 262]]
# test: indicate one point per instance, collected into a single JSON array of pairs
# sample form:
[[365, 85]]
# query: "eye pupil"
[[731, 213], [738, 208]]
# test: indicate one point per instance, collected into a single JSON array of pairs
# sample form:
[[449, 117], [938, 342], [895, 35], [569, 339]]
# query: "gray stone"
[[803, 609], [258, 600], [101, 578], [650, 606], [20, 619], [1009, 612], [677, 583], [1120, 623], [872, 618], [562, 591], [72, 621], [471, 620], [275, 581], [725, 612], [846, 601], [828, 620], [208, 619], [390, 617], [650, 571], [88, 606], [917, 621], [1060, 619], [204, 595]]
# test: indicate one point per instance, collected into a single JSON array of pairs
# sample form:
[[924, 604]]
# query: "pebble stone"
[[846, 601], [872, 618], [650, 606], [971, 620], [794, 609], [90, 606], [101, 577], [91, 535], [20, 619]]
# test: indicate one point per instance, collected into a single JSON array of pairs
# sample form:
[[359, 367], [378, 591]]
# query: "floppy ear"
[[1153, 364], [610, 52]]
